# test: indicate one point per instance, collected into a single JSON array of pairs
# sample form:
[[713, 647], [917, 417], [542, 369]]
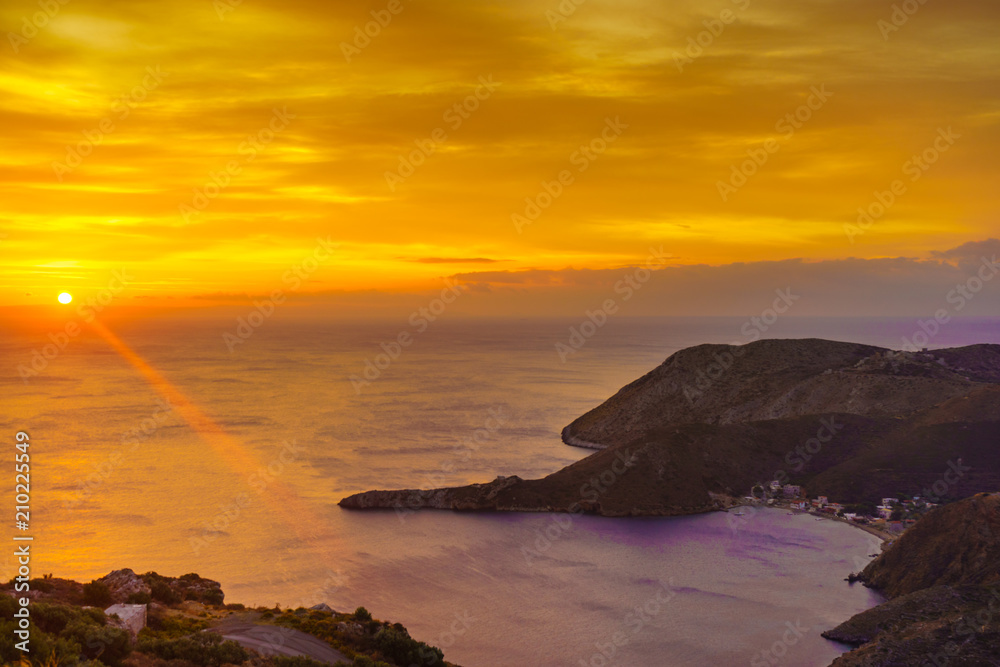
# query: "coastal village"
[[888, 520]]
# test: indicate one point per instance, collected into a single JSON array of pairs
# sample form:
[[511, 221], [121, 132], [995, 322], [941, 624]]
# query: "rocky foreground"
[[852, 422], [126, 619], [943, 580]]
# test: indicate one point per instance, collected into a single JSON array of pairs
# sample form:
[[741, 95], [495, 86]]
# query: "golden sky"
[[117, 116]]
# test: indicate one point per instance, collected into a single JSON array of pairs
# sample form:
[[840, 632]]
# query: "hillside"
[[943, 580], [954, 544], [781, 379], [852, 422], [183, 622]]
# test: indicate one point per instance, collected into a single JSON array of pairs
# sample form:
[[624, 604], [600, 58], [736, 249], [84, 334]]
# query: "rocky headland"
[[852, 422]]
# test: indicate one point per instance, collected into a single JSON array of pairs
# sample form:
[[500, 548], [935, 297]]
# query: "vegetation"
[[396, 644], [96, 594], [65, 634], [204, 649]]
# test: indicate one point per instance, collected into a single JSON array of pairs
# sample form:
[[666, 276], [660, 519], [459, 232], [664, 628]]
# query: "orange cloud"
[[156, 106]]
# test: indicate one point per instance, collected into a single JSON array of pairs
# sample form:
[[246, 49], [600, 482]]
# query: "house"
[[132, 617], [895, 527], [885, 512], [775, 486], [850, 516], [890, 501], [836, 507], [821, 501], [791, 491]]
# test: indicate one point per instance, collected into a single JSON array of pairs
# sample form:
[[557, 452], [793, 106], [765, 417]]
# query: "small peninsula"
[[846, 421]]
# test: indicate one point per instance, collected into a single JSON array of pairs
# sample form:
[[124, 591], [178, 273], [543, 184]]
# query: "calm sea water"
[[685, 591]]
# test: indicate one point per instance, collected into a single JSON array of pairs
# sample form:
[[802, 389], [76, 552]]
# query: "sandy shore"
[[886, 537], [881, 534]]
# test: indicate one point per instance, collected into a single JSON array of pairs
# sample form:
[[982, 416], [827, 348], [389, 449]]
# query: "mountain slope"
[[943, 578], [779, 379], [954, 544]]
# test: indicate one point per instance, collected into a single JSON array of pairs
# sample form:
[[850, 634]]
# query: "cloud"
[[973, 250], [325, 173], [456, 260], [851, 287]]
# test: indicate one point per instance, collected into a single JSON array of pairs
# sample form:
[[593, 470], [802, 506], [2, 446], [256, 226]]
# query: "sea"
[[306, 410]]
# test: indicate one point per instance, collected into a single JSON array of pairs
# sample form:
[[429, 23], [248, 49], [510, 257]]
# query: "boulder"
[[123, 583]]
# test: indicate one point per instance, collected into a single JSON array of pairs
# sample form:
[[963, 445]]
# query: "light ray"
[[298, 515]]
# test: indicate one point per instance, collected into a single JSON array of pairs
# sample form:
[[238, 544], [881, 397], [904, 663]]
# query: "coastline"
[[886, 538]]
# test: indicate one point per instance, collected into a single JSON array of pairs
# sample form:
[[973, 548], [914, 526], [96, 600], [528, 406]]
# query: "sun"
[[65, 297]]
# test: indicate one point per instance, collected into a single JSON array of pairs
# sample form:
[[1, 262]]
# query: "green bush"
[[139, 598], [44, 647], [295, 661], [398, 646], [214, 596], [365, 661], [97, 594], [162, 626], [204, 649], [161, 592], [53, 618], [102, 642], [362, 614], [42, 584]]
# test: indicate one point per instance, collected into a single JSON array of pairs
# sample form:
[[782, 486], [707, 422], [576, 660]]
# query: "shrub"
[[53, 618], [204, 649], [362, 614], [42, 584], [162, 592], [398, 646], [97, 594], [139, 598], [365, 661], [109, 645], [295, 661], [165, 626], [214, 596]]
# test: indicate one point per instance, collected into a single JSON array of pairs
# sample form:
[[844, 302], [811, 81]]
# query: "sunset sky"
[[308, 118]]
